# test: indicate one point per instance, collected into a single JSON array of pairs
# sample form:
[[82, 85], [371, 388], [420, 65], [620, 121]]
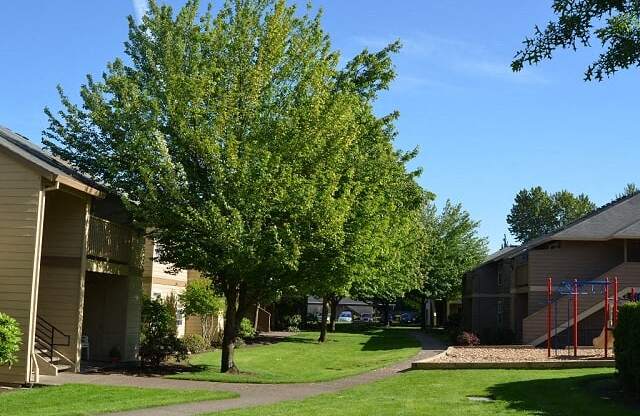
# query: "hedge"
[[10, 339], [627, 347]]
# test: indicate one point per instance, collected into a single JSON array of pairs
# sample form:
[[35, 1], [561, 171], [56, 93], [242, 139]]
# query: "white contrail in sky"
[[140, 8]]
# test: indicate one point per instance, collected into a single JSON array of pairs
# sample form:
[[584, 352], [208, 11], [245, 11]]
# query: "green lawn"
[[83, 399], [444, 393], [300, 359]]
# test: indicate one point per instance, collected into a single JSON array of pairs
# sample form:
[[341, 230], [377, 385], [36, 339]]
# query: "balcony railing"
[[109, 241]]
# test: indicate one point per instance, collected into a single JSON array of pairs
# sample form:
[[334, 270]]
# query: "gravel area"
[[508, 355]]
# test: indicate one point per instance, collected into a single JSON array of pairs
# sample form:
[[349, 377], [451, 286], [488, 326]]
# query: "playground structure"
[[575, 288]]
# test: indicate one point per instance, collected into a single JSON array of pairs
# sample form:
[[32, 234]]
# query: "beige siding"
[[158, 274], [62, 274], [20, 200], [574, 259], [535, 325], [133, 307]]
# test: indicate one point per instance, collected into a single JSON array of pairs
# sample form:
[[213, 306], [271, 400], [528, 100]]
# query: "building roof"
[[343, 302], [53, 168], [618, 219]]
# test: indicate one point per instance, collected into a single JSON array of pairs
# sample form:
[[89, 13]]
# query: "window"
[[179, 317], [499, 276], [633, 250], [500, 310]]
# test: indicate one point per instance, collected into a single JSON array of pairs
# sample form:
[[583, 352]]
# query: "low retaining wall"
[[433, 363]]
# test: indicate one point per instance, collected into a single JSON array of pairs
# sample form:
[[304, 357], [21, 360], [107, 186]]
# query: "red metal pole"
[[606, 317], [575, 317], [615, 301], [549, 298]]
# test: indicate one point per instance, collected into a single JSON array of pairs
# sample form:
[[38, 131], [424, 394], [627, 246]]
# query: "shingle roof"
[[27, 150], [619, 218]]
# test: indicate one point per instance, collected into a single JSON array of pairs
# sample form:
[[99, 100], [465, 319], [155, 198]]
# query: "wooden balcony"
[[109, 241], [112, 248]]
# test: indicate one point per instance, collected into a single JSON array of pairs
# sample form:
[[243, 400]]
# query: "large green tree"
[[535, 212], [615, 25], [453, 248], [230, 136], [376, 239]]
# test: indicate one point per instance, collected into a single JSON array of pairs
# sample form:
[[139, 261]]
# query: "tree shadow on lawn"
[[598, 394], [390, 339]]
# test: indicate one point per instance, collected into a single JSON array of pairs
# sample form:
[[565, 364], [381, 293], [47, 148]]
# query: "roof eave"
[[79, 186]]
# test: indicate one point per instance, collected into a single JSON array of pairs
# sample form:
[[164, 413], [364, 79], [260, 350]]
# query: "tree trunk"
[[333, 301], [423, 312], [386, 320], [323, 322], [206, 326], [230, 331], [445, 315]]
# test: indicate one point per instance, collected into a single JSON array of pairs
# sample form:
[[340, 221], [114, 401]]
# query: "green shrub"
[[200, 299], [159, 339], [246, 330], [10, 340], [195, 343], [627, 347], [293, 322]]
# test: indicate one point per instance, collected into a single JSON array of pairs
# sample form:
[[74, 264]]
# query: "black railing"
[[48, 337]]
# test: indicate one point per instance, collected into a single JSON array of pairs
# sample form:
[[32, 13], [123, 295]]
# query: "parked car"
[[345, 317], [366, 317], [408, 317]]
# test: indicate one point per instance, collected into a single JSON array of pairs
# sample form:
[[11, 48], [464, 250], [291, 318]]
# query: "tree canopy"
[[535, 212], [615, 24], [454, 248], [237, 139], [377, 240], [629, 189]]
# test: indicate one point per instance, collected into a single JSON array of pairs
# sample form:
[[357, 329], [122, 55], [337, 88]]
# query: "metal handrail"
[[45, 337]]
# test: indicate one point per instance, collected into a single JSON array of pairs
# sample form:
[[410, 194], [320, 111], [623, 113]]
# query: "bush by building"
[[159, 339], [10, 340], [195, 343], [627, 347]]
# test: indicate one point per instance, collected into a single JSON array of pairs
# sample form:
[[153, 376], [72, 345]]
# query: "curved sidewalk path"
[[250, 394]]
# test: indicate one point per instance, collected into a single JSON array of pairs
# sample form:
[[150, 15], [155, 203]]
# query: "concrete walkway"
[[250, 394]]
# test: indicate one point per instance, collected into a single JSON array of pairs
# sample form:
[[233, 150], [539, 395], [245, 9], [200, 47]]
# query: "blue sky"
[[483, 132]]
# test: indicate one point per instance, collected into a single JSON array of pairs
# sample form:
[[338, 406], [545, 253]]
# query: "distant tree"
[[399, 247], [614, 23], [454, 248], [199, 299], [535, 212], [570, 207], [378, 202], [629, 189]]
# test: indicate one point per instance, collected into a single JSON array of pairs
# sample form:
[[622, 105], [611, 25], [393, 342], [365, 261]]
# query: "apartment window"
[[500, 312], [633, 250], [179, 317], [499, 277]]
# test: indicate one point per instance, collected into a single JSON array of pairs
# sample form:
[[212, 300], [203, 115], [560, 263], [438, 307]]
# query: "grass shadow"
[[386, 339], [582, 395]]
